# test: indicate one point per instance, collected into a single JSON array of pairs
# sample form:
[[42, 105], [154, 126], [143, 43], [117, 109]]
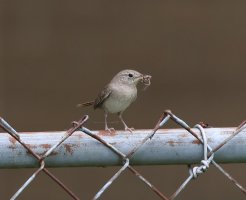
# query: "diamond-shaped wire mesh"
[[208, 155]]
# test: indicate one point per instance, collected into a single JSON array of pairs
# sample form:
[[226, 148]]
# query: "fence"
[[148, 147]]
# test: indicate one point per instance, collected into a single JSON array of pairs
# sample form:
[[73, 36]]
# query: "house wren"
[[119, 94]]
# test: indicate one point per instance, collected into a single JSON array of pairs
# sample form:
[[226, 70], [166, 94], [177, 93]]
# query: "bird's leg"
[[106, 123], [125, 126]]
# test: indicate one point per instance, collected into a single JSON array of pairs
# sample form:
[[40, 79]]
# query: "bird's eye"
[[130, 75]]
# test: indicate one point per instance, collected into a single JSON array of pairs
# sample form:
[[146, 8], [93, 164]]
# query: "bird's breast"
[[120, 99]]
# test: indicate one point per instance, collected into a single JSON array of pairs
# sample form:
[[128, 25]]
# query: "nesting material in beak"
[[146, 81]]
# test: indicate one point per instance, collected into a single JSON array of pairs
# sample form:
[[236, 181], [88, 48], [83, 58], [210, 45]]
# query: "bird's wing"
[[103, 95]]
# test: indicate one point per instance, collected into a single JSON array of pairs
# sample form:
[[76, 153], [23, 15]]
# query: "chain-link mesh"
[[194, 172]]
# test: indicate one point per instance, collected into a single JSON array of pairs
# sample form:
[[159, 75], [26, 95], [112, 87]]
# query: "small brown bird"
[[119, 94]]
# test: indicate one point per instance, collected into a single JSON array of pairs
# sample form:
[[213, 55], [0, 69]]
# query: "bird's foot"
[[129, 129], [110, 129]]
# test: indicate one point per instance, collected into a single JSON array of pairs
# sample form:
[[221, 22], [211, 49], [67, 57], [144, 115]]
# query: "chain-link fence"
[[199, 134]]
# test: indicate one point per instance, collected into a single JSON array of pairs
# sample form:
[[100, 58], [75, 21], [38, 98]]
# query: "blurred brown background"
[[55, 54]]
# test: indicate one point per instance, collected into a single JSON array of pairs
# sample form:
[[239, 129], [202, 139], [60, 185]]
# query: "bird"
[[118, 95]]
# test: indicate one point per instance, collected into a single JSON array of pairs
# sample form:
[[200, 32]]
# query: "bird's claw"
[[110, 130], [129, 129]]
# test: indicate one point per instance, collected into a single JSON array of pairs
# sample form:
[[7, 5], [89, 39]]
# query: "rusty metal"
[[138, 146], [197, 170], [209, 155], [125, 160], [82, 150], [17, 137], [28, 181], [239, 129], [154, 188], [111, 180], [160, 123], [68, 134]]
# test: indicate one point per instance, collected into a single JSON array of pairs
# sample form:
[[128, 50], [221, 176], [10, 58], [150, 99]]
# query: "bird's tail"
[[89, 103]]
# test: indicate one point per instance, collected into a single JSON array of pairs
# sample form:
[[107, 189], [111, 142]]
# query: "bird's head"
[[130, 77]]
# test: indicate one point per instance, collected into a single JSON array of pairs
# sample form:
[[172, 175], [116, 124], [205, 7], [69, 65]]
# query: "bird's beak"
[[139, 78]]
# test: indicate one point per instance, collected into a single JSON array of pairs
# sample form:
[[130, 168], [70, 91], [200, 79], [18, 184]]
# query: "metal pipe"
[[168, 146]]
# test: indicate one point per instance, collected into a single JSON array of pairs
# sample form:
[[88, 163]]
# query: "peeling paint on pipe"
[[168, 146]]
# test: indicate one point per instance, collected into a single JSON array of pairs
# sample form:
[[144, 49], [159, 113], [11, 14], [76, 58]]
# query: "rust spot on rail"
[[12, 140], [106, 133], [46, 146], [196, 142], [54, 153], [183, 135], [173, 143], [70, 148], [31, 146]]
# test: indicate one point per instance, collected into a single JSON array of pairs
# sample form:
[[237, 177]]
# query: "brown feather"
[[89, 103], [103, 95]]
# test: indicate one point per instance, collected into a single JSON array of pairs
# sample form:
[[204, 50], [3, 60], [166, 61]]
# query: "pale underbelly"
[[112, 105]]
